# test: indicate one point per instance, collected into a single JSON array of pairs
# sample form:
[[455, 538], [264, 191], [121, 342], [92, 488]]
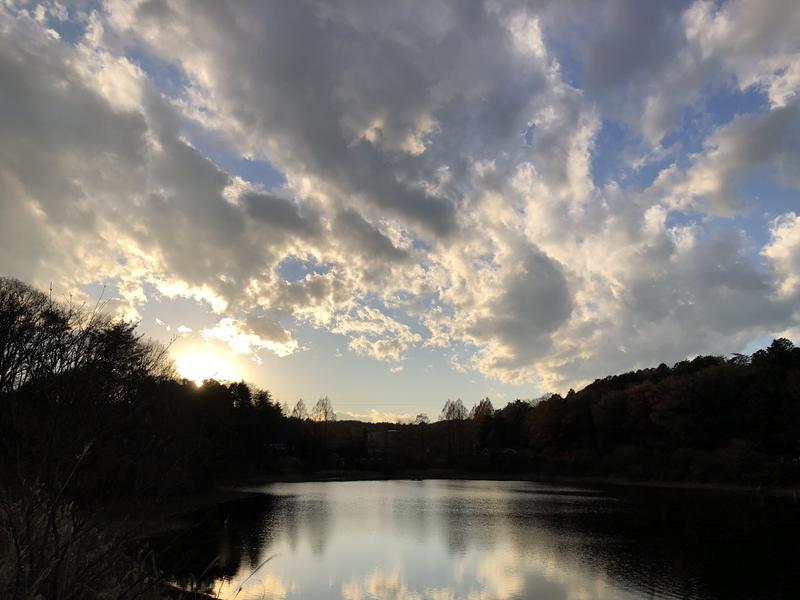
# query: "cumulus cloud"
[[647, 62], [375, 416], [756, 41], [783, 251], [376, 334], [513, 328], [242, 339], [732, 153], [438, 168]]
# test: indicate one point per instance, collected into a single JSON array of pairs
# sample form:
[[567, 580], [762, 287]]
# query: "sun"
[[199, 365]]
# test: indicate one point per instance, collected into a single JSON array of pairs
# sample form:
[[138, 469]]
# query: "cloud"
[[755, 41], [244, 340], [355, 232], [751, 42], [513, 328], [374, 333], [282, 216], [732, 153], [647, 62], [306, 131], [375, 416], [630, 41], [438, 161], [783, 251]]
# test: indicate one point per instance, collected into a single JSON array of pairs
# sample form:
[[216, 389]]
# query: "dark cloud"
[[355, 232], [349, 96], [57, 131], [535, 301], [267, 328], [279, 214], [630, 42]]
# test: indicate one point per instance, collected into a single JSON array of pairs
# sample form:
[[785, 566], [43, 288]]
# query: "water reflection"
[[442, 540]]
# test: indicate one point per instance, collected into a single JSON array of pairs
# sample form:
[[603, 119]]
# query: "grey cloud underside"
[[401, 130], [62, 148], [357, 234], [292, 95], [33, 112], [81, 165], [750, 144], [535, 301], [280, 215], [267, 328], [319, 76], [646, 62], [630, 41], [771, 140]]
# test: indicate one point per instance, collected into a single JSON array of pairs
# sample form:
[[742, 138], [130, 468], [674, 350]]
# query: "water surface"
[[482, 540]]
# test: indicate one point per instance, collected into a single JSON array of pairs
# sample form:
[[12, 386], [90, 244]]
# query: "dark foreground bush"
[[49, 550]]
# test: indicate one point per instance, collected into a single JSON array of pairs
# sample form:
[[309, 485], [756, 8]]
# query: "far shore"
[[439, 474]]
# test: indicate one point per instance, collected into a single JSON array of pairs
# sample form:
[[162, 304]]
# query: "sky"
[[397, 203]]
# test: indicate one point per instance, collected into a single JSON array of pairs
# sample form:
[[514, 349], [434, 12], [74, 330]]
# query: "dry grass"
[[48, 550]]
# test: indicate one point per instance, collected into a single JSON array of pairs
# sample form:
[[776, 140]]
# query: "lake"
[[483, 540]]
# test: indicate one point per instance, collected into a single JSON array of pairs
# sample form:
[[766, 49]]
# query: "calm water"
[[481, 540]]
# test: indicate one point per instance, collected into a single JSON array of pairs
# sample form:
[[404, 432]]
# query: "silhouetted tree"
[[243, 397], [454, 414], [482, 410], [742, 360], [299, 411], [263, 399], [323, 411], [453, 411]]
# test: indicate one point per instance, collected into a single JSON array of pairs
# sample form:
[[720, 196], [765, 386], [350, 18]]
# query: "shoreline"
[[164, 516], [443, 474]]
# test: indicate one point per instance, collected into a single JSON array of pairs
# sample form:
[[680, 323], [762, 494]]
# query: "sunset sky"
[[395, 203]]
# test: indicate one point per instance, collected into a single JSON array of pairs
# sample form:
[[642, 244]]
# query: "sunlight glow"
[[200, 365]]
